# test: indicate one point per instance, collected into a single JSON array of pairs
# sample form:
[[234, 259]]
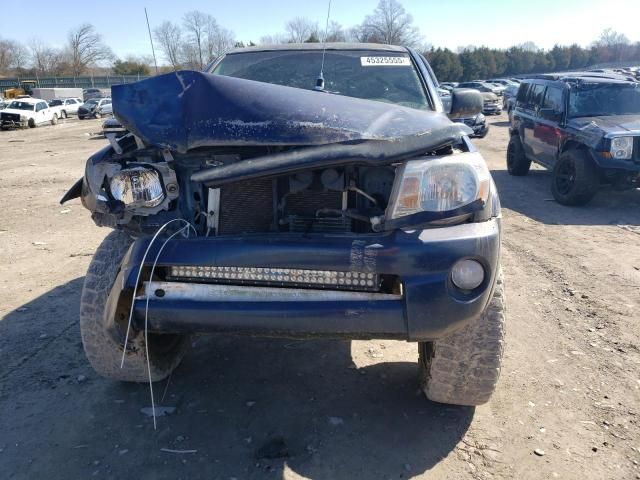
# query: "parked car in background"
[[478, 123], [89, 93], [509, 98], [3, 104], [584, 128], [449, 85], [27, 112], [482, 87], [492, 104], [445, 97], [66, 106], [106, 108], [505, 82], [112, 126], [93, 108]]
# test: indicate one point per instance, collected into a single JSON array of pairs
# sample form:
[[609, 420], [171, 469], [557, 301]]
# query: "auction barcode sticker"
[[385, 61]]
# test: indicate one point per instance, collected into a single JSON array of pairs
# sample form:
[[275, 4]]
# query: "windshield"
[[54, 103], [593, 100], [21, 105], [362, 74]]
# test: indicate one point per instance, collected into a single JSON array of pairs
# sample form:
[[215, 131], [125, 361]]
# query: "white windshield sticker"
[[385, 61]]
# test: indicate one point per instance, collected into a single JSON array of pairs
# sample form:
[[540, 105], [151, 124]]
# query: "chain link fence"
[[77, 82]]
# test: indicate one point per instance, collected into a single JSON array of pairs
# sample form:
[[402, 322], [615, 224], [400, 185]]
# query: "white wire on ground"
[[135, 287], [146, 317]]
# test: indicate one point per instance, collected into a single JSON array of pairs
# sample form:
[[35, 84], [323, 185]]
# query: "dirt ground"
[[255, 408]]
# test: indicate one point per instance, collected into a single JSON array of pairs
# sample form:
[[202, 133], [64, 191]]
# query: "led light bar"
[[279, 276]]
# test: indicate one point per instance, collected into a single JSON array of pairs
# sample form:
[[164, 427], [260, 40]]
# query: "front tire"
[[102, 350], [575, 178], [32, 123], [54, 120], [517, 162], [463, 368]]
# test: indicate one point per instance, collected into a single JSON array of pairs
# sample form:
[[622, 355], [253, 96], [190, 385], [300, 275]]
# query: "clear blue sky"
[[446, 23]]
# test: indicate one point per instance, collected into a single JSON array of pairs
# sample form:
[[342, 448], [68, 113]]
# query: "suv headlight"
[[137, 187], [621, 148], [440, 184]]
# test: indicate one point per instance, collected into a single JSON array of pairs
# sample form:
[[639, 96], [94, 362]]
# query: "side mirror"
[[465, 103]]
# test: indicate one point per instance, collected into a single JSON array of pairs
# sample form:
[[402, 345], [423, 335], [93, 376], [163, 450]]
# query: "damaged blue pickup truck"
[[296, 191]]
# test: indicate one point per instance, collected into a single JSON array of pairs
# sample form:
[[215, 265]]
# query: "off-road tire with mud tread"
[[463, 368], [103, 351], [586, 183], [517, 162]]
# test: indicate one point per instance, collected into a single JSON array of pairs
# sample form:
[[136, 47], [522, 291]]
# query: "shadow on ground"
[[531, 196], [250, 408]]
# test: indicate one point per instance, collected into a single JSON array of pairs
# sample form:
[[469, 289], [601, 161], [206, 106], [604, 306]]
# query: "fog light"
[[467, 274]]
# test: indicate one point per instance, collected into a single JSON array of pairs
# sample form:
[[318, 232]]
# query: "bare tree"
[[334, 33], [219, 40], [612, 44], [195, 23], [528, 46], [300, 29], [389, 23], [13, 56], [275, 39], [85, 48], [169, 37], [190, 56], [44, 58], [610, 37]]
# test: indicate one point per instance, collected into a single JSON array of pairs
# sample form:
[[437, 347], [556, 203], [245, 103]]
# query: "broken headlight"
[[440, 184], [137, 187], [621, 148]]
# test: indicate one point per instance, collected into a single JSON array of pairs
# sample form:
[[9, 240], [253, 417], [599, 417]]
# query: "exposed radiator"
[[246, 207]]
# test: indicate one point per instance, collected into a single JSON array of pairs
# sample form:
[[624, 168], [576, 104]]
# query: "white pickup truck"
[[28, 112]]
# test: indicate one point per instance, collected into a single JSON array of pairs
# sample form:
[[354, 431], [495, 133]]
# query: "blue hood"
[[185, 110]]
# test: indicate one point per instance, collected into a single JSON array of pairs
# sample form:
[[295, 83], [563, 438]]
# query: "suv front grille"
[[10, 117]]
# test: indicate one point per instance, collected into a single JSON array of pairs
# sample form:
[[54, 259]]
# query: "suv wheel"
[[102, 350], [575, 178], [463, 368], [54, 120], [32, 123], [517, 162]]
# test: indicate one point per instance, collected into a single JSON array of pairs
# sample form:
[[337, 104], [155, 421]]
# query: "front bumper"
[[491, 108], [13, 124], [428, 307]]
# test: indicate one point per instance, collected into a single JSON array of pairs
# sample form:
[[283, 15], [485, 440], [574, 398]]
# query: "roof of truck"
[[377, 47]]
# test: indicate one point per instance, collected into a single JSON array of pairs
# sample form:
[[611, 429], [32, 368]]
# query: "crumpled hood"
[[608, 124], [187, 109]]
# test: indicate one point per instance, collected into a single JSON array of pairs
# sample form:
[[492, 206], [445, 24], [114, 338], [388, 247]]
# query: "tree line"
[[198, 38], [475, 63]]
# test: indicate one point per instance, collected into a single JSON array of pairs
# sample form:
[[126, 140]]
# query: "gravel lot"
[[255, 408]]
